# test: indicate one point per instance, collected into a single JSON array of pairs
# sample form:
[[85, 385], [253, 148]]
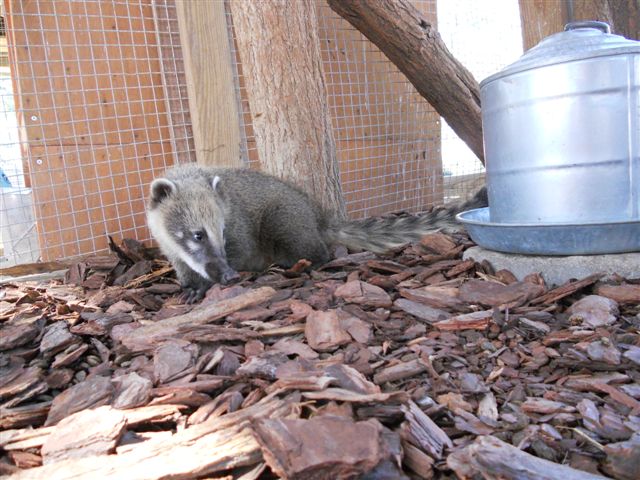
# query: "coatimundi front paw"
[[195, 287], [194, 292]]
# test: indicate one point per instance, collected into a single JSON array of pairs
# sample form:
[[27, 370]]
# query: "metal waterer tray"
[[551, 239]]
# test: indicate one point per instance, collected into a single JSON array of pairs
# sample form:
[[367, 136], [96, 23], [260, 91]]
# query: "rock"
[[593, 311]]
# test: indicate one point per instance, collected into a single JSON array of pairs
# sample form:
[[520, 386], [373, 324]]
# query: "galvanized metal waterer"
[[562, 136]]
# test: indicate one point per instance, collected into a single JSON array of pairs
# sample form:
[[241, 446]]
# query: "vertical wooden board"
[[541, 18], [623, 16], [210, 83]]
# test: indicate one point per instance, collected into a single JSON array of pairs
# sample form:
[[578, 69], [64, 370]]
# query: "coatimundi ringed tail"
[[212, 222]]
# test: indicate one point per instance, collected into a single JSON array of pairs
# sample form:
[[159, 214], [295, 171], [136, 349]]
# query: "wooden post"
[[279, 48], [412, 43], [210, 84], [622, 15], [541, 18]]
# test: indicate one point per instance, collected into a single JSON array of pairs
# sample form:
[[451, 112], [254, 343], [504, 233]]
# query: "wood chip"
[[178, 456], [92, 393], [491, 294], [473, 321], [399, 371], [146, 337], [343, 395], [438, 243], [174, 359], [623, 459], [363, 293], [324, 332], [84, 434], [493, 458], [420, 311], [417, 461], [593, 311], [131, 390], [622, 294], [57, 338], [339, 447], [567, 289], [419, 430], [14, 336], [436, 297]]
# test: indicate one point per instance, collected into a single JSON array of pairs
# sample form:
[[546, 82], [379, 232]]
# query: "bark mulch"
[[413, 365]]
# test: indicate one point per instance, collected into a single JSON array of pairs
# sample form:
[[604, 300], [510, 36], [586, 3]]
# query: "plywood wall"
[[93, 104]]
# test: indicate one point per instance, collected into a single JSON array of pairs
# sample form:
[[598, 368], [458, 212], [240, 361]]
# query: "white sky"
[[485, 36]]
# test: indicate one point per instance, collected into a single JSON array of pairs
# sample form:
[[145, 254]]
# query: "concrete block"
[[558, 270]]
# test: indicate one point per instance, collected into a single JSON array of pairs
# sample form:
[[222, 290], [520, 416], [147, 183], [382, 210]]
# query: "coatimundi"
[[212, 222]]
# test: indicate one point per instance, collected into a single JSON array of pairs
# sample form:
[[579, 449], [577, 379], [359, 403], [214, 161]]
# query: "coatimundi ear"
[[219, 190], [161, 188], [215, 183]]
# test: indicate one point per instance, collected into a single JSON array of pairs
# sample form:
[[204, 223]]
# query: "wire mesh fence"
[[94, 105], [485, 39], [101, 108], [387, 136]]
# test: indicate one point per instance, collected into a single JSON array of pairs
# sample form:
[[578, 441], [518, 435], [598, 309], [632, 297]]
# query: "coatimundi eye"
[[199, 235]]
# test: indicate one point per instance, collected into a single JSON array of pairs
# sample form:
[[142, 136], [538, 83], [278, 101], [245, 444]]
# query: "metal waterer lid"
[[579, 41]]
